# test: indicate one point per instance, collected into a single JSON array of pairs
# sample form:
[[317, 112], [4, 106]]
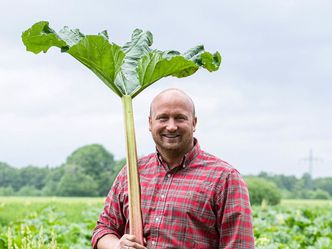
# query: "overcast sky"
[[264, 110]]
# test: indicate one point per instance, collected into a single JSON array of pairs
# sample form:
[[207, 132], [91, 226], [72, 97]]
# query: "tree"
[[33, 176], [52, 181], [324, 184], [6, 191], [28, 190], [307, 181], [8, 176], [76, 183], [18, 178], [320, 194], [94, 161], [261, 189], [282, 181]]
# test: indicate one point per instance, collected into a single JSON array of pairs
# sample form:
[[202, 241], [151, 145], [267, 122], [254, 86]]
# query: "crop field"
[[67, 223], [294, 224]]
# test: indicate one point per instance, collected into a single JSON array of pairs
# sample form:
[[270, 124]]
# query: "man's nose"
[[171, 125]]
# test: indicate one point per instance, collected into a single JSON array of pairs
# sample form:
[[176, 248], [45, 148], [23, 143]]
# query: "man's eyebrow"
[[182, 116], [161, 115]]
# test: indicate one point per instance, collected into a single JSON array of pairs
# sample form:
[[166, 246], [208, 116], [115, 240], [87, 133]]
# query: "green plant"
[[127, 71], [262, 191], [293, 227], [292, 224]]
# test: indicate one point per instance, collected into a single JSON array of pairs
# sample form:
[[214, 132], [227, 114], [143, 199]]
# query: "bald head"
[[169, 95], [172, 123]]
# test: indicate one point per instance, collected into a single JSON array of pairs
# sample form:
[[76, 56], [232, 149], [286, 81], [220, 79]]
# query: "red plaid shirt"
[[202, 203]]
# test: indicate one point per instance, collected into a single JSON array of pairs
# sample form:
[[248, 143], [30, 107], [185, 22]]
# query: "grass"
[[305, 203], [17, 208]]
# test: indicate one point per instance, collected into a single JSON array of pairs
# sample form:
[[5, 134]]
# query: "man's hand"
[[128, 241], [110, 241]]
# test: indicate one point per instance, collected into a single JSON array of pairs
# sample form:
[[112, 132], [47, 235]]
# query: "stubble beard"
[[174, 150]]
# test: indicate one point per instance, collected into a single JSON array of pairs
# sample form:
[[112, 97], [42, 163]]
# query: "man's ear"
[[150, 121], [194, 123]]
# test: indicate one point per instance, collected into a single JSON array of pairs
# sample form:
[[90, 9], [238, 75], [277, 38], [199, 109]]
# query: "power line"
[[311, 160]]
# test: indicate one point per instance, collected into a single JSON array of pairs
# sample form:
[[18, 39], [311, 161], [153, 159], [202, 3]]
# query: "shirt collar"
[[187, 159]]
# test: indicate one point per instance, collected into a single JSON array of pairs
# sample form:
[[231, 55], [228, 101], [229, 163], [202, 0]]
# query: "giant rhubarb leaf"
[[127, 70]]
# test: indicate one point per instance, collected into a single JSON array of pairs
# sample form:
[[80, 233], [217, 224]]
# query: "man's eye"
[[162, 119]]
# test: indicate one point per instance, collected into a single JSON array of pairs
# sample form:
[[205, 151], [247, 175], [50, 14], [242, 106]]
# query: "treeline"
[[91, 170], [272, 188], [88, 171]]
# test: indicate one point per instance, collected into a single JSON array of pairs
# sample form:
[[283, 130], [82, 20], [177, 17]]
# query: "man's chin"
[[170, 146]]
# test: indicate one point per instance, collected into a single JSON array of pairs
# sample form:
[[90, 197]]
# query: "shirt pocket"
[[197, 210]]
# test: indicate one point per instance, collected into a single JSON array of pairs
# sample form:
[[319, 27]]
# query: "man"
[[189, 198]]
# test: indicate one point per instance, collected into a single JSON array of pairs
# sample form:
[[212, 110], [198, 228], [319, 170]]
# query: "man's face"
[[172, 123]]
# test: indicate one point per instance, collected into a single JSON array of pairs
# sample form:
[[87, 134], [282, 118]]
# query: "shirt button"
[[163, 196], [153, 242], [168, 175]]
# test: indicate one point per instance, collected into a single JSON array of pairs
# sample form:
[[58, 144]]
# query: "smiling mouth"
[[171, 135]]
